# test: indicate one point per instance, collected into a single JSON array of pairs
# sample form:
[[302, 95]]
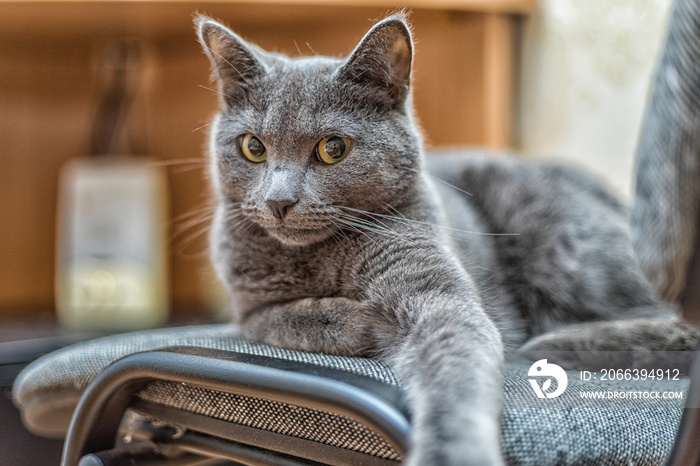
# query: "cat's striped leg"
[[446, 351]]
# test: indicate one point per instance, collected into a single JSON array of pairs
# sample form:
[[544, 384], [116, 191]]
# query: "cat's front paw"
[[274, 334], [443, 455], [254, 330], [471, 440], [336, 326]]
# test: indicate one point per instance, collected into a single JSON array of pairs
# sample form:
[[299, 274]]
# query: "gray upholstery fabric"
[[569, 430], [74, 367], [665, 216], [561, 431]]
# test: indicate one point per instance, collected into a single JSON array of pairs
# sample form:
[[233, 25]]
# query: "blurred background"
[[564, 79], [104, 106]]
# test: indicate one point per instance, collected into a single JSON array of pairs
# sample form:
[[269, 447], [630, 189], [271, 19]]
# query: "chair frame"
[[686, 446], [96, 420]]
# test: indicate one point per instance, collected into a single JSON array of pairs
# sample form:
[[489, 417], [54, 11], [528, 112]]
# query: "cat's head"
[[303, 143]]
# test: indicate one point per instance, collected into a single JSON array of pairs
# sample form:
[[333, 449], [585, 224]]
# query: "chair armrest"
[[96, 419]]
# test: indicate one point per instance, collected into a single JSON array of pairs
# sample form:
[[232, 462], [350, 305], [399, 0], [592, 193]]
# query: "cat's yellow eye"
[[253, 149], [332, 149]]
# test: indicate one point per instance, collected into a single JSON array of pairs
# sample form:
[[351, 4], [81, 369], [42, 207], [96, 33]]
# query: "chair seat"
[[566, 430]]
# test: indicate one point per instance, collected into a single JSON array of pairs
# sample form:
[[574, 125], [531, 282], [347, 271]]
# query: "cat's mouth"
[[292, 236], [299, 227]]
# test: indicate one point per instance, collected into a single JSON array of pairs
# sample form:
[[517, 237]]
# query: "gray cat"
[[334, 235]]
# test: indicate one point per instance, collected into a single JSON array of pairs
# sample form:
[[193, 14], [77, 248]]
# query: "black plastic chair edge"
[[208, 446], [96, 419], [198, 449], [384, 390], [686, 447]]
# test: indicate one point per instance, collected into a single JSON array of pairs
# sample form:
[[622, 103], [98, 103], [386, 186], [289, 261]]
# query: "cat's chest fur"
[[261, 271]]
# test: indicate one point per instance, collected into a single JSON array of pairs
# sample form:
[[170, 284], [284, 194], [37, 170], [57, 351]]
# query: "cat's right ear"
[[234, 63], [382, 60]]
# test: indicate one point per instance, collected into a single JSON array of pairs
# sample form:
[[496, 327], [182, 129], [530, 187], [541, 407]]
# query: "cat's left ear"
[[383, 58], [235, 63]]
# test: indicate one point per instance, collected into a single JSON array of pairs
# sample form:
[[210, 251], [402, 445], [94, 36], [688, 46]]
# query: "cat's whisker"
[[234, 214], [386, 231], [238, 220], [428, 224], [235, 207], [394, 209], [171, 162], [385, 228], [192, 213], [310, 48], [242, 76], [185, 223], [184, 227], [441, 180], [334, 235], [339, 230], [402, 217], [377, 220], [196, 255], [358, 229], [372, 227], [353, 223], [180, 170], [238, 223], [202, 216], [189, 164], [367, 236], [297, 46], [418, 227], [184, 243], [244, 227], [190, 220], [203, 126], [218, 92]]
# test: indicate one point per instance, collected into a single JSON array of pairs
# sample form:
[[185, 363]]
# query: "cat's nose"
[[280, 206]]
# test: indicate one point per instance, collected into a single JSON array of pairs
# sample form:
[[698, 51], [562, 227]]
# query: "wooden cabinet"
[[462, 83]]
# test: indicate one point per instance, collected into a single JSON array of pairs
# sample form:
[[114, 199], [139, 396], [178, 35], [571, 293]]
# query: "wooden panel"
[[500, 6], [47, 93], [44, 116], [498, 80]]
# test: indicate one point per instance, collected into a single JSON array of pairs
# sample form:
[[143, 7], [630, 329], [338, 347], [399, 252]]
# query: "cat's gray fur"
[[380, 257]]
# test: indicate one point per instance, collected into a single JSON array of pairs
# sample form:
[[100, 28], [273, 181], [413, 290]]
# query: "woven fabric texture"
[[562, 431], [281, 418], [571, 430], [74, 367], [567, 430], [665, 216]]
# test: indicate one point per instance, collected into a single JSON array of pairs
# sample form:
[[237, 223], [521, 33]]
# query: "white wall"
[[586, 67]]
